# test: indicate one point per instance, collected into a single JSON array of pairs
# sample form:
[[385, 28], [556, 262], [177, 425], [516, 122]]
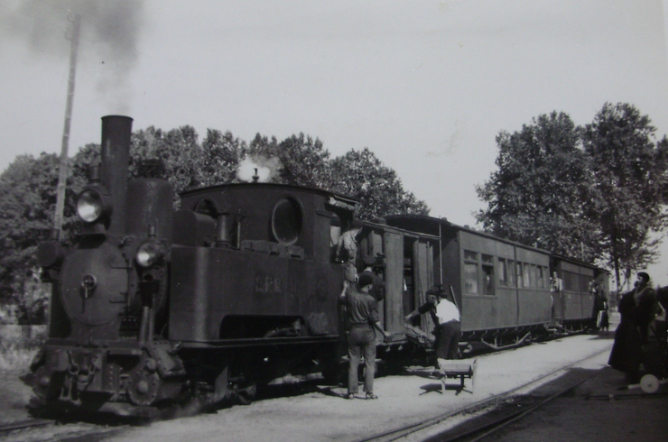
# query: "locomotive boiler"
[[110, 292]]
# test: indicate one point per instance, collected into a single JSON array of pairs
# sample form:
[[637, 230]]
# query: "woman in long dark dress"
[[636, 309]]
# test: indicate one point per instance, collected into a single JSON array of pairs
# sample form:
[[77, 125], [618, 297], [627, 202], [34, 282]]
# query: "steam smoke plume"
[[110, 32], [267, 168]]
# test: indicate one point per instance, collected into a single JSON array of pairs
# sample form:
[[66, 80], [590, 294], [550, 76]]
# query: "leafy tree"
[[27, 205], [305, 162], [362, 175], [539, 192], [630, 176], [179, 151], [221, 155]]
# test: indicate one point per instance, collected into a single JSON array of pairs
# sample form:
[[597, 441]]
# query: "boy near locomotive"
[[447, 319], [378, 289], [362, 313], [637, 308]]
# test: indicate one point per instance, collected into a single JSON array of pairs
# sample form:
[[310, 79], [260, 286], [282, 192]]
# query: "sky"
[[426, 85]]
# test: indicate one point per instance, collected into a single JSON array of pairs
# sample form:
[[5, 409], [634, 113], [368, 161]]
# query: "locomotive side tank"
[[253, 291], [274, 270]]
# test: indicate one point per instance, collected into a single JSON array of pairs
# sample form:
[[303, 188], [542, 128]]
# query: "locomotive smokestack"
[[115, 153]]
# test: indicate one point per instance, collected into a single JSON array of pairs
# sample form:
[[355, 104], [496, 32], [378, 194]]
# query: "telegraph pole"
[[62, 172]]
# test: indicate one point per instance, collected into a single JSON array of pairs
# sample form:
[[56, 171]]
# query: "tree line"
[[595, 192], [28, 187]]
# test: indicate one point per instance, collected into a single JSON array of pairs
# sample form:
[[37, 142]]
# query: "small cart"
[[458, 368]]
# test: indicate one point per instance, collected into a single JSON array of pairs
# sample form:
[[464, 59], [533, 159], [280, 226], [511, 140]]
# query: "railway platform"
[[414, 407]]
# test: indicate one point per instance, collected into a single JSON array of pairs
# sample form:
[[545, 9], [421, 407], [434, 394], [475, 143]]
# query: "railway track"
[[49, 430], [496, 421], [13, 426]]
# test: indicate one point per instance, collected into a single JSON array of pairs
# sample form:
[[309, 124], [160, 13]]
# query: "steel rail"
[[5, 428], [504, 422], [398, 433]]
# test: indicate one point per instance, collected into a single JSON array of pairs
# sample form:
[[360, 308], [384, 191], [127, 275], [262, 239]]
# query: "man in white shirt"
[[446, 316]]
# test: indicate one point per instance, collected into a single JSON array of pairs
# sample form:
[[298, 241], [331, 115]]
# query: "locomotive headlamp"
[[88, 284], [92, 205], [149, 254]]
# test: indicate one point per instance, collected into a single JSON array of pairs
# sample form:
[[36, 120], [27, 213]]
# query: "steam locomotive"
[[240, 287]]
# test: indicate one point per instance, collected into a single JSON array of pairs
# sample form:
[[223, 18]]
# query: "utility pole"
[[62, 172]]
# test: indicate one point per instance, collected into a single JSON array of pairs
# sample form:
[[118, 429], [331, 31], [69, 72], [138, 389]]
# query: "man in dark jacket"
[[362, 313]]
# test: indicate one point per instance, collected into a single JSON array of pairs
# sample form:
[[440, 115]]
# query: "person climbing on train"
[[447, 320], [362, 313], [346, 250]]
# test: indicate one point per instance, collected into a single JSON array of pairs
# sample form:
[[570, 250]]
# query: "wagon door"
[[394, 283], [423, 271]]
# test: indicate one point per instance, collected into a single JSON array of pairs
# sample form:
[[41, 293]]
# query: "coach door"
[[394, 282], [419, 264]]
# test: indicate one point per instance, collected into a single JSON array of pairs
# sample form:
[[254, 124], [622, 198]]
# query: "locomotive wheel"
[[221, 390], [143, 387], [45, 386]]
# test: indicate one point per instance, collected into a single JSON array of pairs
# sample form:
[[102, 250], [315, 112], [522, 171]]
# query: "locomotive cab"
[[253, 261]]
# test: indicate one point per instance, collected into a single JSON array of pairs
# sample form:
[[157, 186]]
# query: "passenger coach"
[[503, 287]]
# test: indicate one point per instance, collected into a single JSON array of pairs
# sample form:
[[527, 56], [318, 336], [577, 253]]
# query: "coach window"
[[571, 282], [527, 275], [487, 275], [206, 207], [511, 273], [470, 272], [542, 281], [286, 220], [518, 274], [534, 275], [586, 284], [503, 273]]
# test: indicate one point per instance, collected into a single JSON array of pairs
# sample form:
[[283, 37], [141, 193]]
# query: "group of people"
[[359, 298], [361, 311], [641, 332]]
